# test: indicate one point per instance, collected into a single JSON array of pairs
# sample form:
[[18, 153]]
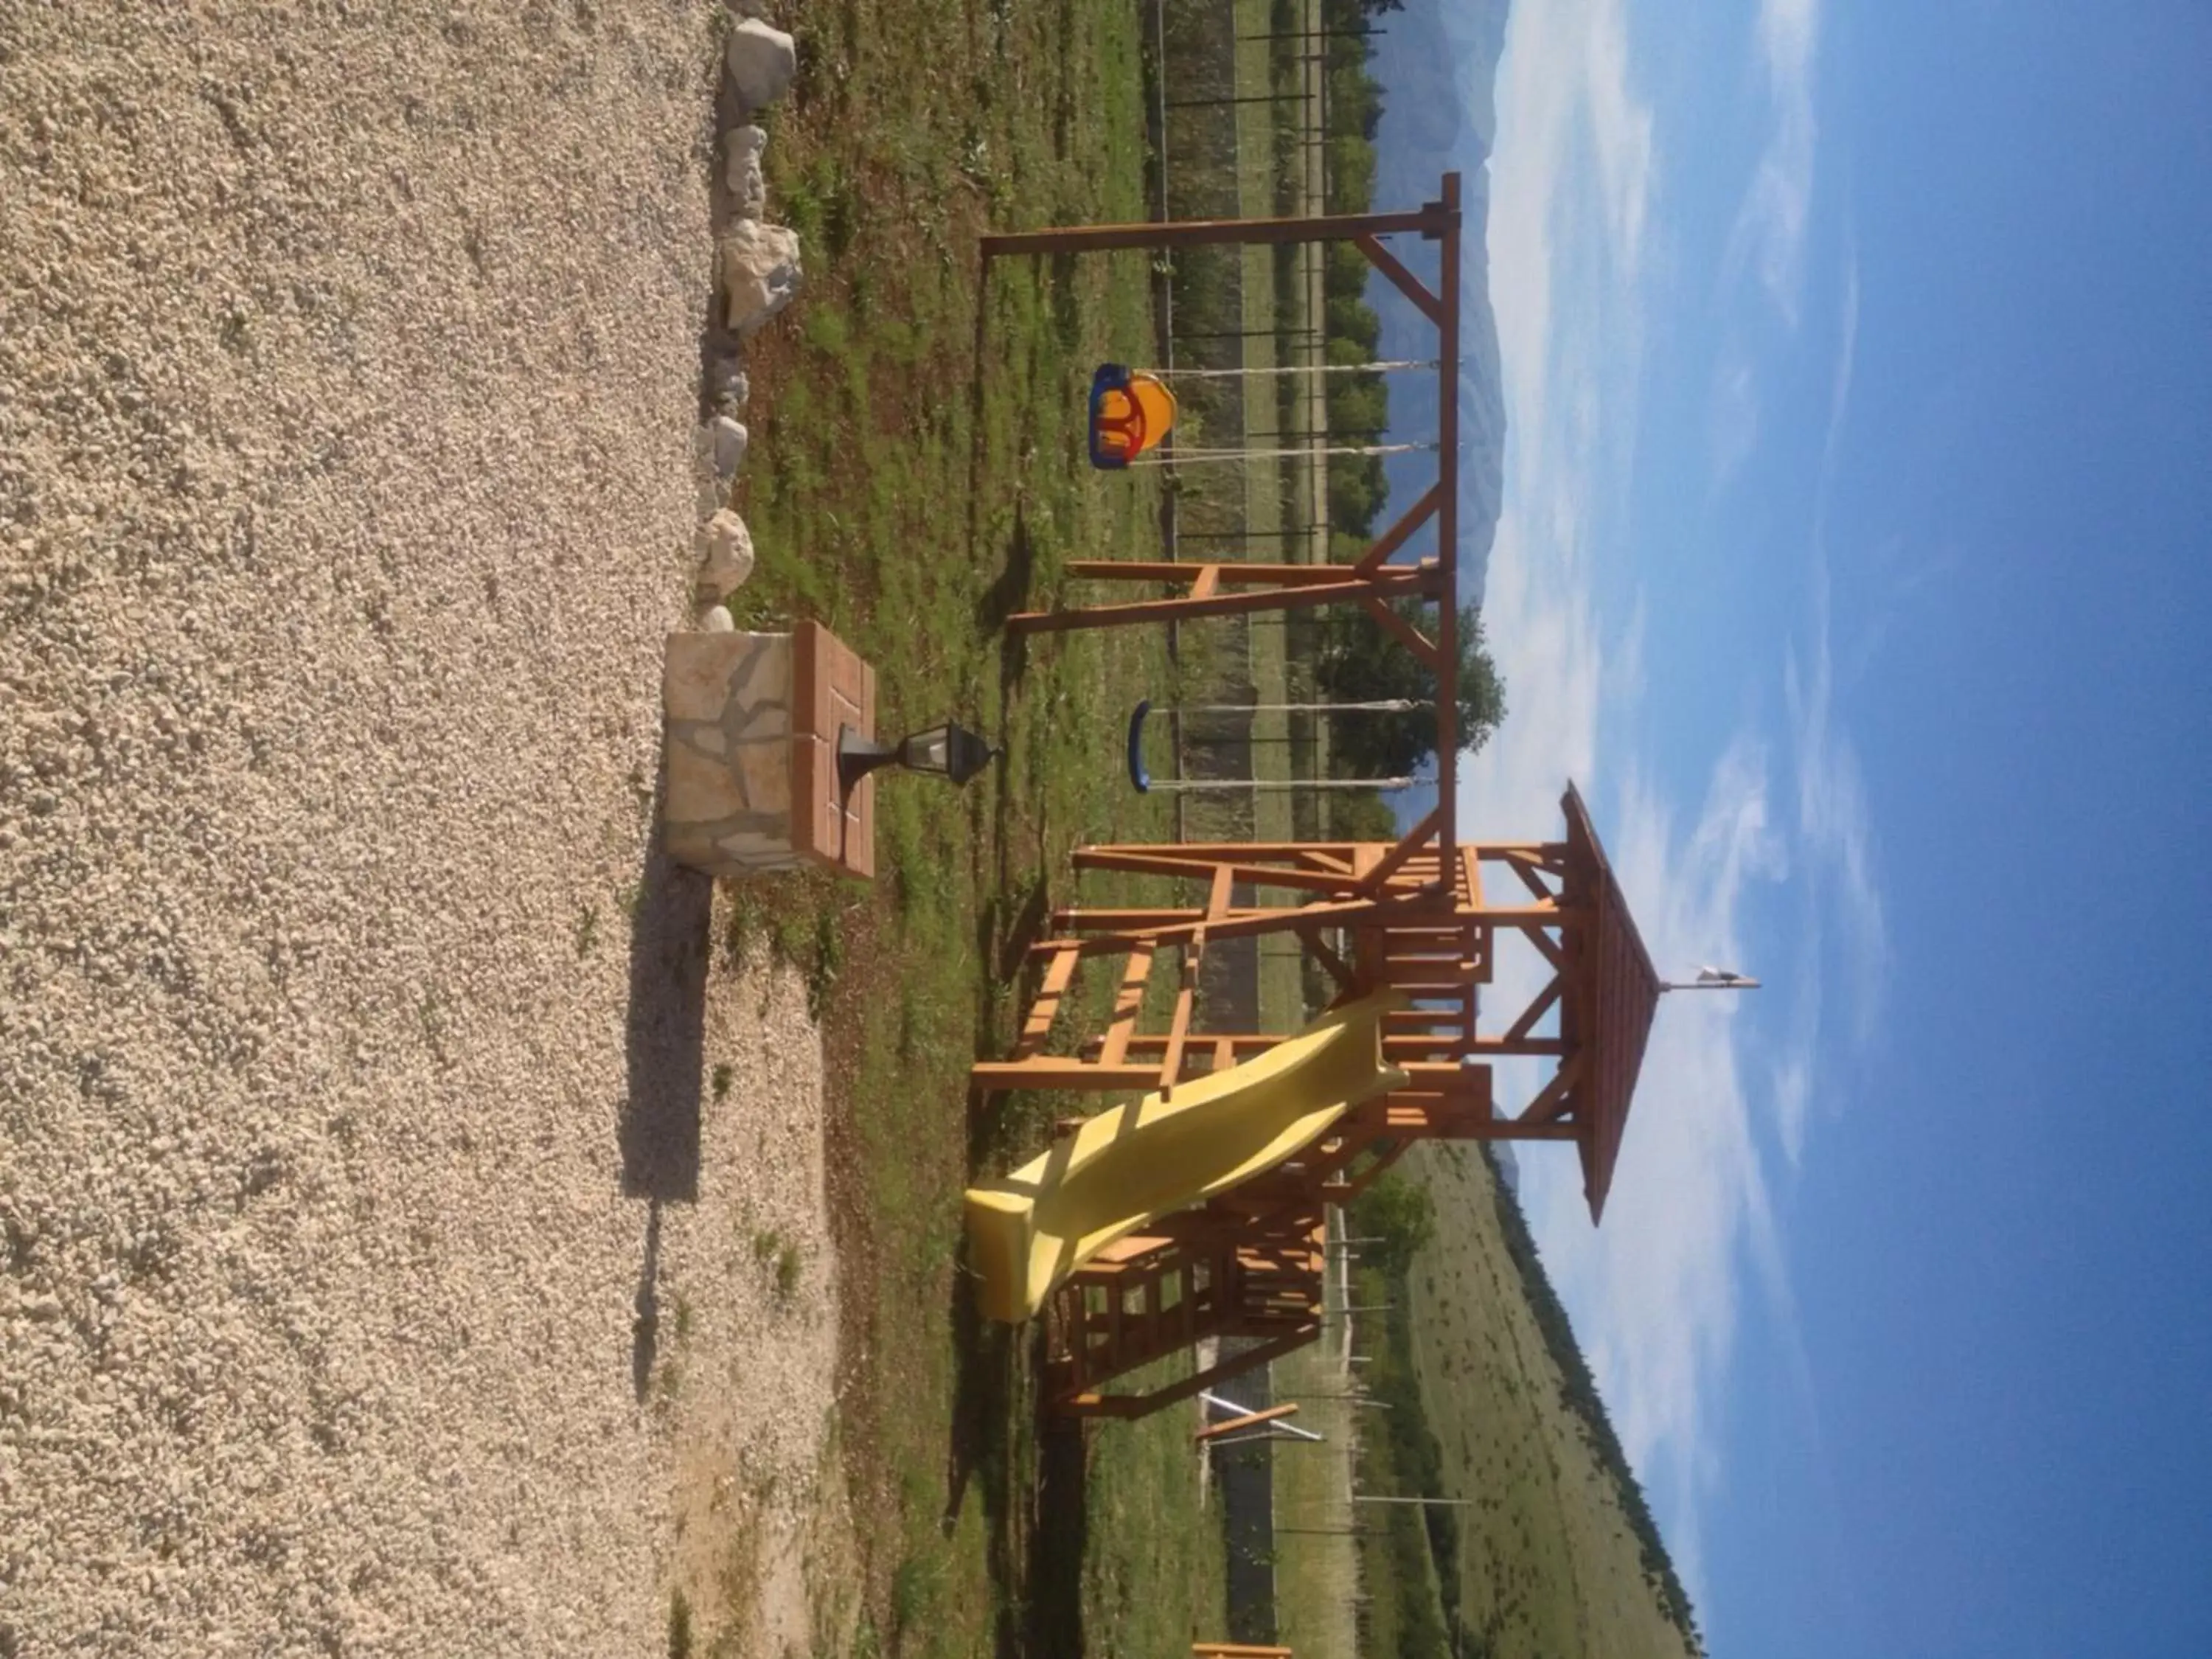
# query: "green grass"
[[1548, 1561], [916, 474], [1316, 1576]]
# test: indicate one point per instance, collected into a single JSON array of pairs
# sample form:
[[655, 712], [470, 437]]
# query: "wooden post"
[[1429, 221], [1250, 1419]]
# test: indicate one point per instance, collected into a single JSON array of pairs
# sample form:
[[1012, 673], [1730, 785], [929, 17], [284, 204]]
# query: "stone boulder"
[[722, 444], [761, 61], [728, 386], [760, 273], [741, 163], [726, 557]]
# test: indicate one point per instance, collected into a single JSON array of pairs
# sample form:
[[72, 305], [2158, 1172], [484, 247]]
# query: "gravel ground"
[[382, 1269]]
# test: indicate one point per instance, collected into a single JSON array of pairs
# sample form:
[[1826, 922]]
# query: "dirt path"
[[383, 1268]]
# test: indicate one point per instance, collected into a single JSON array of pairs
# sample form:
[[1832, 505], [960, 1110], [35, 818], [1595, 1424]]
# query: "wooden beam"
[[1546, 915], [1331, 965], [1431, 220], [1249, 1421], [1379, 551], [1537, 1047], [1160, 862], [1129, 920], [1412, 842], [1211, 852], [1512, 1128], [1128, 1001], [1241, 923], [1470, 870], [1060, 971], [1179, 1027], [1551, 1099], [1448, 286], [1239, 574], [1214, 604], [1411, 637], [1128, 1406], [1402, 279], [1525, 866], [1535, 1010], [1550, 951]]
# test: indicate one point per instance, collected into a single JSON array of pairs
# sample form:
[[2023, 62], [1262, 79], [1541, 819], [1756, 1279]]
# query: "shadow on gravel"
[[666, 1036], [659, 1130], [645, 1329]]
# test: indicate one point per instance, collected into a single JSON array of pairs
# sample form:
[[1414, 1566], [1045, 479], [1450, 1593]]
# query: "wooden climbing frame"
[[1431, 933], [1416, 915]]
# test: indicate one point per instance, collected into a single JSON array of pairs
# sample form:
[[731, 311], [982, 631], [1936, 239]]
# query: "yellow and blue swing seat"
[[1130, 412]]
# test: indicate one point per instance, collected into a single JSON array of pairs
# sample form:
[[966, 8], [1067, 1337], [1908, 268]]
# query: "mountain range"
[[1438, 71]]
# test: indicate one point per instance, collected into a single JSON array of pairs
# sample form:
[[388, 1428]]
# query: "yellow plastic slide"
[[1029, 1231]]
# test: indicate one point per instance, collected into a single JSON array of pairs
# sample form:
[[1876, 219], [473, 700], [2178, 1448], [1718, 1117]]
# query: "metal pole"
[[1317, 34], [1271, 785], [1386, 366], [1245, 333], [1379, 706], [1223, 103]]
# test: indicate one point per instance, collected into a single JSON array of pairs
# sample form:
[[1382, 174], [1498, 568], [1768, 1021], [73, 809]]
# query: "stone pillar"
[[751, 742]]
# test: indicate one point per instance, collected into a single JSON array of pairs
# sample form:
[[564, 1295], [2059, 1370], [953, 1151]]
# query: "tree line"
[[1359, 660]]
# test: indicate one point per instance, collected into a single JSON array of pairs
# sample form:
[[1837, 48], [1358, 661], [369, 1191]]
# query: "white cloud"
[[1735, 408], [1573, 174], [1843, 907], [1656, 1289], [1770, 228], [1657, 1292], [1768, 239]]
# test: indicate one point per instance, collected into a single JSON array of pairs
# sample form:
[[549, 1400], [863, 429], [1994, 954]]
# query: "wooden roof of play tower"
[[1606, 1015]]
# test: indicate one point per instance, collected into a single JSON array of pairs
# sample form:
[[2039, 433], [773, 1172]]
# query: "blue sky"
[[1857, 559]]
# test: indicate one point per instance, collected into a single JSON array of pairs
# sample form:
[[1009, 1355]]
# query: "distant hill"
[[1558, 1555], [1437, 67]]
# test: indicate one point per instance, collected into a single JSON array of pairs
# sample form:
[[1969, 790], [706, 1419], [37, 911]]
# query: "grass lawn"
[[1317, 1576], [1548, 1563], [916, 474]]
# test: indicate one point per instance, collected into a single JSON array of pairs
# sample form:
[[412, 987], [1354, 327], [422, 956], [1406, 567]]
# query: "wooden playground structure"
[[1425, 916]]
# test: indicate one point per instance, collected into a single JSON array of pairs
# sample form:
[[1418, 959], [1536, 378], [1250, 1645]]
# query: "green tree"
[[1361, 815], [1401, 1214], [1363, 662]]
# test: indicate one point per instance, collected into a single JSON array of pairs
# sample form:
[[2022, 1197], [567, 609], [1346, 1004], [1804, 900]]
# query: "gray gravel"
[[348, 363]]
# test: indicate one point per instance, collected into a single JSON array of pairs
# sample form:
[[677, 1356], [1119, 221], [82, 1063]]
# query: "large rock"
[[759, 272], [726, 557], [762, 62], [724, 440], [741, 162]]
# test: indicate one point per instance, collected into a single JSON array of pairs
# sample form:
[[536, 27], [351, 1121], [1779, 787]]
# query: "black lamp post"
[[950, 752]]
